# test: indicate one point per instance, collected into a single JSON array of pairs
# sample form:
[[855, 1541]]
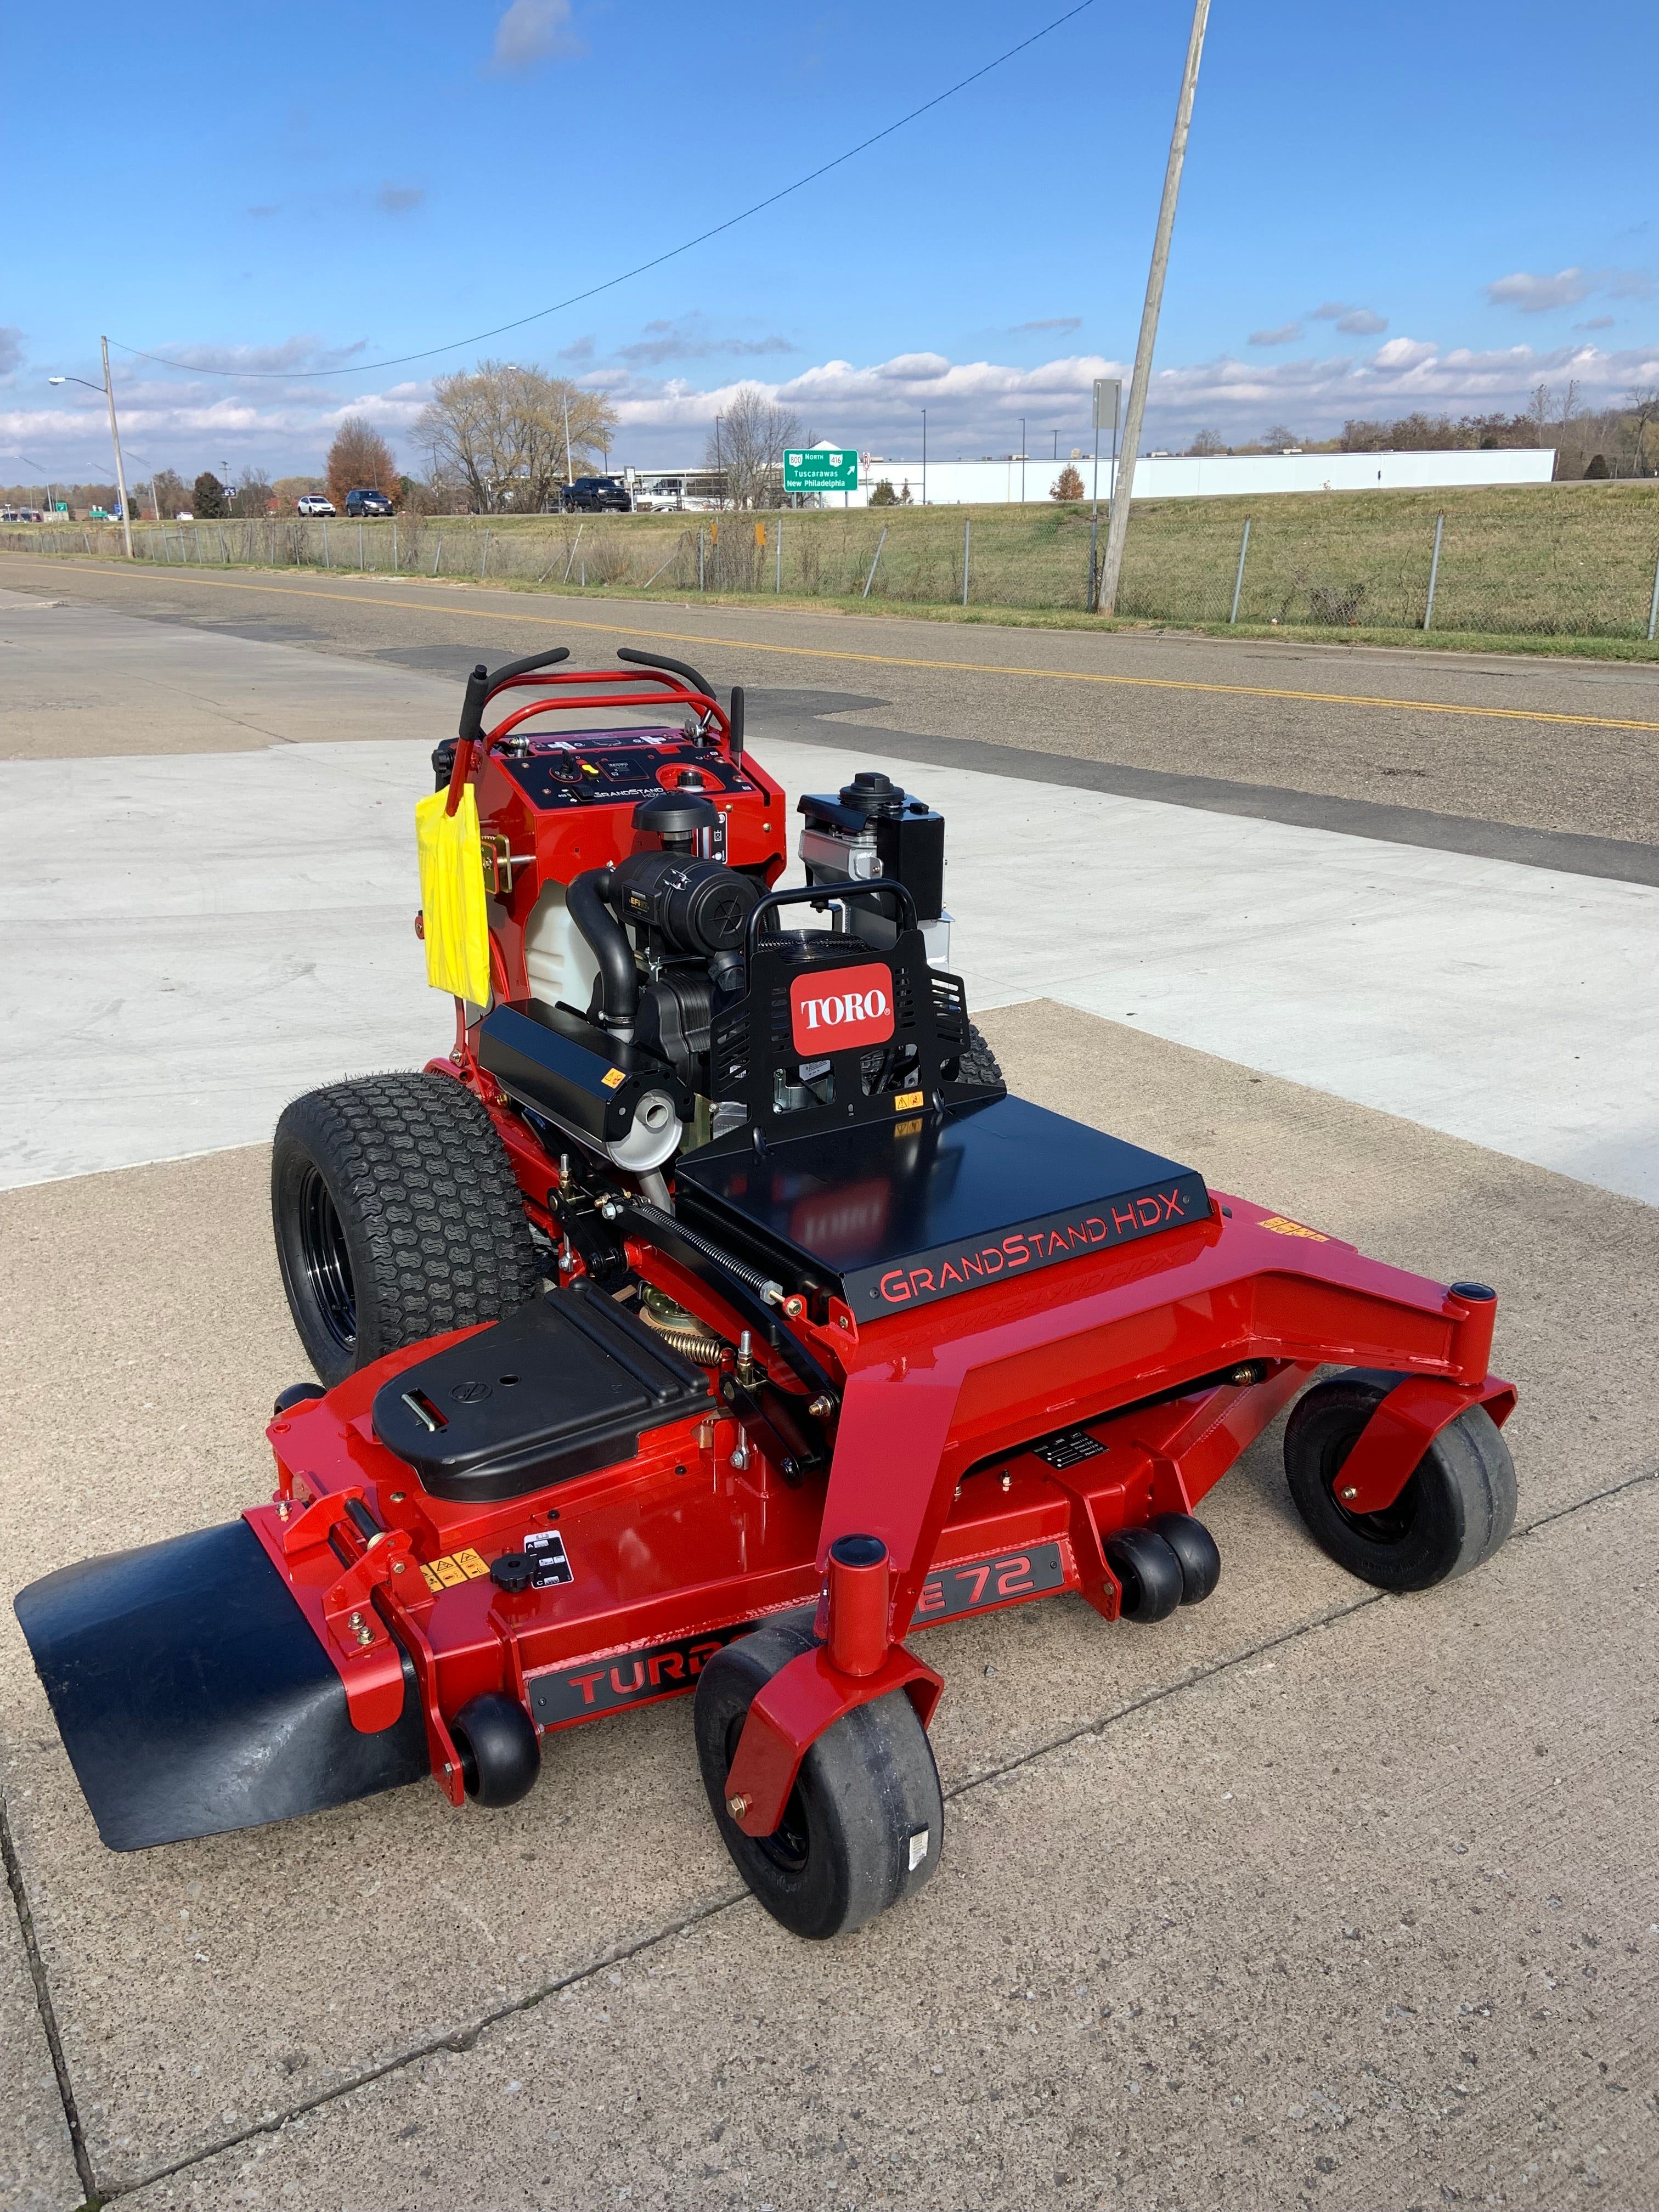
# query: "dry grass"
[[1566, 566]]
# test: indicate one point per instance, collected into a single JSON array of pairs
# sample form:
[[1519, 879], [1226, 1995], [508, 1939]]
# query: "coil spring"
[[692, 1341]]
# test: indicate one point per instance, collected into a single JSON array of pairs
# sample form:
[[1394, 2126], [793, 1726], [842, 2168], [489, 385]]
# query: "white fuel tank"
[[558, 959]]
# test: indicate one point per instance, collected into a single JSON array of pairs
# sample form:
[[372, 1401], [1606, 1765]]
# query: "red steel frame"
[[700, 1535]]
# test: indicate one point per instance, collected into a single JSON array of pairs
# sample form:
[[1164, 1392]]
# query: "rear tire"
[[1455, 1509], [397, 1217], [978, 1064], [866, 1820]]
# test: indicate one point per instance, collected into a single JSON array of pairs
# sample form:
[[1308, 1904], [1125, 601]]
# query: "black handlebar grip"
[[473, 705], [523, 667], [674, 667], [737, 727]]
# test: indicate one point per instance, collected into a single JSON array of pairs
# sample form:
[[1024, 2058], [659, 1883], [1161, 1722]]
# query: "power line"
[[453, 345]]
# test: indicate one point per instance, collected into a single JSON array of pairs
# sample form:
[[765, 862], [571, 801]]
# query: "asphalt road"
[[1451, 750]]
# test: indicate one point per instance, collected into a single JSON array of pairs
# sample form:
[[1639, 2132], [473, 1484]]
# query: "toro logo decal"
[[838, 1008]]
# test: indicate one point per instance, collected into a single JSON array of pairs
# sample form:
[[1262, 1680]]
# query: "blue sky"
[[1383, 209]]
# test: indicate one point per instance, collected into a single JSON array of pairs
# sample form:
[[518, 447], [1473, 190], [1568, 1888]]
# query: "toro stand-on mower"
[[711, 1319]]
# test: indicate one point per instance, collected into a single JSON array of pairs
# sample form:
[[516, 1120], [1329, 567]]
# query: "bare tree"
[[1643, 401], [1207, 442], [1540, 411], [253, 494], [359, 459], [494, 436], [748, 446]]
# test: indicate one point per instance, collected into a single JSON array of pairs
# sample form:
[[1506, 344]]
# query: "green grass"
[[1550, 568]]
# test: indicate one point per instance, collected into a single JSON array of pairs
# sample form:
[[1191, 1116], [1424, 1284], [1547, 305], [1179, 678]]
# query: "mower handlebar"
[[821, 894], [481, 686], [674, 667]]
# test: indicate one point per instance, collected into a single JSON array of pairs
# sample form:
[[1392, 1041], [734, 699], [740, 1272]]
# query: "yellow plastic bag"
[[453, 896]]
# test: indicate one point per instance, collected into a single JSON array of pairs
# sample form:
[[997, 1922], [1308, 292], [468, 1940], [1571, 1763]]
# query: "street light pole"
[[108, 390], [1123, 484], [924, 457], [1022, 460], [570, 472]]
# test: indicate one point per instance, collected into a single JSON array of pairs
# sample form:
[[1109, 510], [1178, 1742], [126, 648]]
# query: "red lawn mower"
[[711, 1319]]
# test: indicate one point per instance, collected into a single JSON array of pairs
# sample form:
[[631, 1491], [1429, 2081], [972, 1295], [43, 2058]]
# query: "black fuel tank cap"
[[872, 793]]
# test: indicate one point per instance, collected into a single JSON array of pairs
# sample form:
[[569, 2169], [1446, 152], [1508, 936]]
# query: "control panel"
[[617, 769]]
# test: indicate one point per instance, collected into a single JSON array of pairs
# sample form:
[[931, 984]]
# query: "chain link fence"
[[1565, 560]]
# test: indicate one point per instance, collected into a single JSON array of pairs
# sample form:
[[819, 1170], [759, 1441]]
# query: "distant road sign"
[[821, 468]]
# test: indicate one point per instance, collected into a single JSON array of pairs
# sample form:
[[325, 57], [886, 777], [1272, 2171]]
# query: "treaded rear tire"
[[1456, 1508], [397, 1217], [978, 1064]]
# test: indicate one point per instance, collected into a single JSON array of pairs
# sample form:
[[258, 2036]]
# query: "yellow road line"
[[952, 667]]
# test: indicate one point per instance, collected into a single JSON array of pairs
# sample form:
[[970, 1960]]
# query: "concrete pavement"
[[218, 2001]]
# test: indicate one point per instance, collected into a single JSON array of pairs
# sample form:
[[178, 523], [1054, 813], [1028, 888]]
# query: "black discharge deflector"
[[193, 1697], [889, 1215], [562, 1387]]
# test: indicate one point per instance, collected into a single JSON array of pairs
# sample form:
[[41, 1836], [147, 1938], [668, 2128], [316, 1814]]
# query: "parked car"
[[314, 503], [595, 496], [366, 502]]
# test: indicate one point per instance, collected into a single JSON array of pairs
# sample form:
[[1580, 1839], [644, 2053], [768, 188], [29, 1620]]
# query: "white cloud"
[[1403, 353], [686, 340], [1354, 322], [1537, 296], [973, 406], [1285, 334], [534, 31]]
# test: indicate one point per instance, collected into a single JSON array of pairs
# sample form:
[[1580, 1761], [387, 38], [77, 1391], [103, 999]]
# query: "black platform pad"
[[895, 1214], [563, 1386]]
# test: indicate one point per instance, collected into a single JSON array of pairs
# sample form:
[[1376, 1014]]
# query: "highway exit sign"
[[821, 468]]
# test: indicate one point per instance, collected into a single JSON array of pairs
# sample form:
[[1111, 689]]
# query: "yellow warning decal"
[[906, 1099], [908, 1128], [449, 1572], [1281, 1227], [613, 1078]]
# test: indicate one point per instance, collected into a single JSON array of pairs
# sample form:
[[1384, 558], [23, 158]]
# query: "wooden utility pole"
[[1117, 527]]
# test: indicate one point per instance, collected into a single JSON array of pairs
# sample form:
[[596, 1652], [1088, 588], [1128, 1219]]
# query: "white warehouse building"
[[1008, 480]]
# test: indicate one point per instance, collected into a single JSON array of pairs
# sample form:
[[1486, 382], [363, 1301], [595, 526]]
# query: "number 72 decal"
[[978, 1584]]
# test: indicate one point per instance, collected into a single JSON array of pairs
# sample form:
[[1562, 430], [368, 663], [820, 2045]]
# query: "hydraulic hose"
[[619, 979]]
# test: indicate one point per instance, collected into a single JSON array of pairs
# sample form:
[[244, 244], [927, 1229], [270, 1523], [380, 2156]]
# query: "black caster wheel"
[[1148, 1572], [866, 1820], [1195, 1547], [296, 1394], [501, 1751], [1455, 1509]]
